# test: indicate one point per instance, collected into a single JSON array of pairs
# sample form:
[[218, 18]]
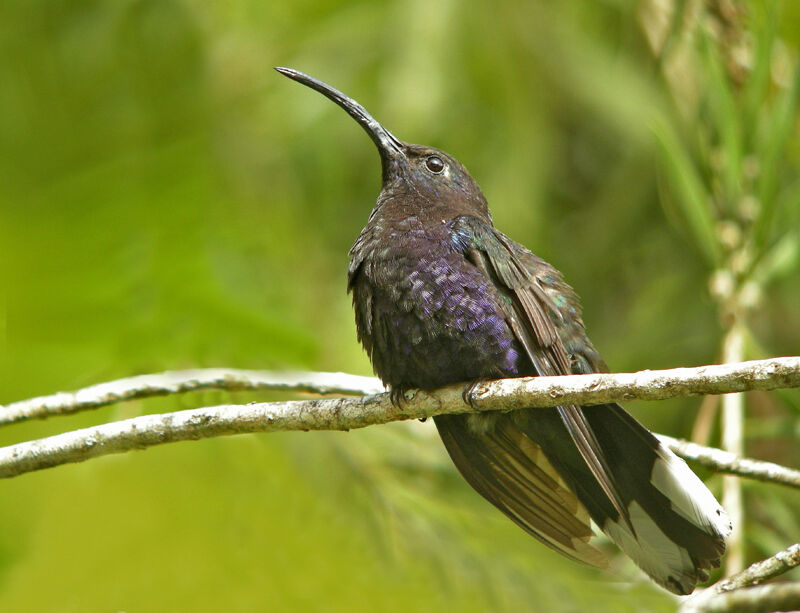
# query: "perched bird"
[[441, 296]]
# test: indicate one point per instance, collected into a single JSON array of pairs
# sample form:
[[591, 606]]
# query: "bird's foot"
[[398, 396], [468, 394]]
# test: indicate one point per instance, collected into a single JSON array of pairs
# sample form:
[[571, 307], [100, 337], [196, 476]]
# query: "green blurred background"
[[168, 201]]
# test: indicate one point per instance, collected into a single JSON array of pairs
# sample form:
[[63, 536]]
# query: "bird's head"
[[428, 177]]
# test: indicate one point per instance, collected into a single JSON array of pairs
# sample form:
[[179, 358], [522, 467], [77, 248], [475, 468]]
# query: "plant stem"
[[733, 441]]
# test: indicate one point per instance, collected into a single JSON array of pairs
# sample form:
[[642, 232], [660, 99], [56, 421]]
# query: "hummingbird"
[[441, 297]]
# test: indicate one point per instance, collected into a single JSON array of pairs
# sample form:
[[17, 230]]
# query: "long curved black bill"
[[387, 144]]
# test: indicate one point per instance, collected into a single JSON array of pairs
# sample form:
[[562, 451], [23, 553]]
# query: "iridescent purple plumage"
[[422, 317]]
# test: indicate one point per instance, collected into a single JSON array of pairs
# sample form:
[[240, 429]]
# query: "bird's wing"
[[508, 469], [533, 316], [638, 492]]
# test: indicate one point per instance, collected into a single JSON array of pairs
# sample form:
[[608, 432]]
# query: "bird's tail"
[[526, 464]]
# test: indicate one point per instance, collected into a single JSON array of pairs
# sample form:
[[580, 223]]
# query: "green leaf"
[[756, 89], [780, 260], [780, 128], [687, 187], [725, 114]]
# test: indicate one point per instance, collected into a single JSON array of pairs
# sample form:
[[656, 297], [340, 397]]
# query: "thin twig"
[[722, 461], [774, 373], [181, 381], [704, 422], [756, 573], [733, 441], [759, 599]]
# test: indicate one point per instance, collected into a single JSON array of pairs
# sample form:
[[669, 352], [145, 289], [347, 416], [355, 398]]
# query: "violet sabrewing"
[[441, 296]]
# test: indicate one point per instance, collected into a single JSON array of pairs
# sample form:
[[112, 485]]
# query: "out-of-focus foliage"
[[168, 201]]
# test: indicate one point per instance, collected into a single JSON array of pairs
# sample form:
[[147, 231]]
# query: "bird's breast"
[[426, 316]]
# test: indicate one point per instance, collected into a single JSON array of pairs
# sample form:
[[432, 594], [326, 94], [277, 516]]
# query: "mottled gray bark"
[[350, 413], [722, 461], [182, 381], [507, 394], [759, 599]]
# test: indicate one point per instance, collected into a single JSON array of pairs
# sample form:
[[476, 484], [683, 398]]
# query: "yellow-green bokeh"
[[168, 201]]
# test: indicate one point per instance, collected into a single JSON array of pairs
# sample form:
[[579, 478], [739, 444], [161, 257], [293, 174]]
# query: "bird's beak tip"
[[387, 144]]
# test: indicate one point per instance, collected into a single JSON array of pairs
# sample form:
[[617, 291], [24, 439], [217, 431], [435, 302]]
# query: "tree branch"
[[182, 381], [758, 572], [774, 373], [729, 595], [760, 599], [149, 430], [350, 413], [727, 462]]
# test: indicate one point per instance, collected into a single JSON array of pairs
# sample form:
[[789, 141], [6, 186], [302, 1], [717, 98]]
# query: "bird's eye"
[[435, 164]]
